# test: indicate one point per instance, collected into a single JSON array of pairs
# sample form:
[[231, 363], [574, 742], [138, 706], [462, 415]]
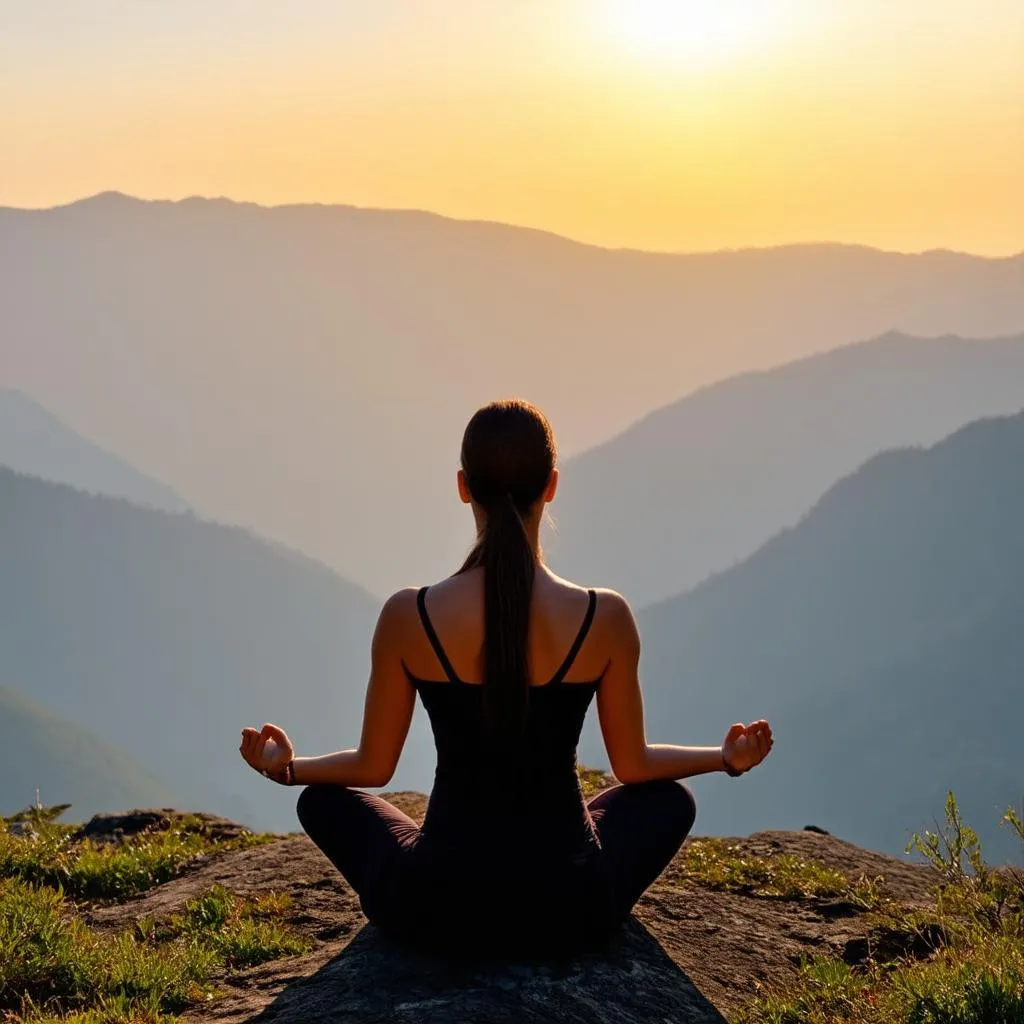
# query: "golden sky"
[[662, 124]]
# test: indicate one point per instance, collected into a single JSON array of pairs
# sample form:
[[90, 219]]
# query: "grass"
[[49, 958], [593, 780], [111, 871], [717, 864], [53, 967], [52, 963], [240, 933], [982, 983], [970, 969]]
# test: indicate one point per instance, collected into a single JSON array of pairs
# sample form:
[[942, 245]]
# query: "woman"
[[506, 657]]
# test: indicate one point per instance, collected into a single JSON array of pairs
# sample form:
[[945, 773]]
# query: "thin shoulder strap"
[[428, 628], [578, 642]]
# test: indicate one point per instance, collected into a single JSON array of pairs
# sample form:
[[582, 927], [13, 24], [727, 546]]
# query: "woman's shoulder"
[[404, 603], [611, 611], [606, 597]]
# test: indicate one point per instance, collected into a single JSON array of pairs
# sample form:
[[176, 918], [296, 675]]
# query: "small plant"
[[972, 896], [37, 814], [953, 849]]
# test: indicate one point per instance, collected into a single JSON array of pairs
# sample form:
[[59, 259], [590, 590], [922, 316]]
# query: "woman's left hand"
[[747, 745], [267, 750]]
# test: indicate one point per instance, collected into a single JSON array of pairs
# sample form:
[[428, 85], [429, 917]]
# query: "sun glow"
[[697, 31]]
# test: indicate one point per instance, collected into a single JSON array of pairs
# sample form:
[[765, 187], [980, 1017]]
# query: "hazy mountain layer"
[[165, 635], [697, 486], [881, 637], [35, 442], [308, 370], [39, 752]]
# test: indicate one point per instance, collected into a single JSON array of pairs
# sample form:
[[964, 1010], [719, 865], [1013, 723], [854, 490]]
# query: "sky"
[[680, 125]]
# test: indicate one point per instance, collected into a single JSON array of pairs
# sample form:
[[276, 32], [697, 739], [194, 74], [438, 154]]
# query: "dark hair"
[[508, 453]]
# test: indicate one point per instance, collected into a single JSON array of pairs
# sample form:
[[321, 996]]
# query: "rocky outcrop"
[[111, 827], [691, 955]]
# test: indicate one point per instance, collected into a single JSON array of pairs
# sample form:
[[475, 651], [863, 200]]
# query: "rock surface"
[[691, 956], [102, 827]]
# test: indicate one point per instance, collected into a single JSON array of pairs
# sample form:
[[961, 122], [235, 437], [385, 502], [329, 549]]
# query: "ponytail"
[[508, 455], [509, 566]]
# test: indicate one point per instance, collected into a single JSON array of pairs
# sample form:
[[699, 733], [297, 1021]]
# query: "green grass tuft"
[[716, 864], [240, 933]]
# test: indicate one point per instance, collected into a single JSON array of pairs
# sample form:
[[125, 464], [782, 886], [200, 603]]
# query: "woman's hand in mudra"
[[267, 750], [747, 745]]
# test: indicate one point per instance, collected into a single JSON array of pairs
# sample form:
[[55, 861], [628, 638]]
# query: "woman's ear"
[[549, 494], [463, 488]]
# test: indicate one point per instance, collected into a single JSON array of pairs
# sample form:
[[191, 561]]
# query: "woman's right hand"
[[747, 745], [267, 750]]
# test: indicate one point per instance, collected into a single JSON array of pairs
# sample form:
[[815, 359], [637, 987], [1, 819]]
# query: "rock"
[[885, 944], [373, 981], [115, 827], [22, 830], [692, 954]]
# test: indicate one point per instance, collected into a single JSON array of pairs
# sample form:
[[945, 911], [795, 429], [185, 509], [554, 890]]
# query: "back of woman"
[[506, 657], [510, 819]]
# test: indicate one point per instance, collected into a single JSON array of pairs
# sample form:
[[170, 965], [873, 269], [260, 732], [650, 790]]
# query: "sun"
[[690, 30]]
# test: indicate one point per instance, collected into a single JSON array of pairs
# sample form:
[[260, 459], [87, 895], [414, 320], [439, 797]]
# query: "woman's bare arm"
[[621, 712]]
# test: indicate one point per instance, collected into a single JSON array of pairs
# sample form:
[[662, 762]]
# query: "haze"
[[675, 126]]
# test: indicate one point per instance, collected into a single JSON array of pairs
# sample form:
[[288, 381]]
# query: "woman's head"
[[508, 451], [508, 472]]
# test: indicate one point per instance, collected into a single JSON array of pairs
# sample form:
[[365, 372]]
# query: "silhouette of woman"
[[506, 658]]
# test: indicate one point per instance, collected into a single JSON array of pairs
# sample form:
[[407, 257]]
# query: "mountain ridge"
[[880, 635], [34, 441], [326, 355], [162, 633], [699, 484], [112, 196]]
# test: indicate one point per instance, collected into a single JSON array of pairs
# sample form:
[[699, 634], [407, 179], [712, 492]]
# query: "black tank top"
[[542, 807]]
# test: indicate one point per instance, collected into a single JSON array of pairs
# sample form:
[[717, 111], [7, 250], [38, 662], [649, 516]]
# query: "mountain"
[[307, 371], [35, 442], [882, 638], [66, 764], [165, 635], [700, 484]]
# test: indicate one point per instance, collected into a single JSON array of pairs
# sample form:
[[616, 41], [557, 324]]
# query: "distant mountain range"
[[39, 752], [698, 485], [35, 442], [308, 370], [882, 636], [165, 635]]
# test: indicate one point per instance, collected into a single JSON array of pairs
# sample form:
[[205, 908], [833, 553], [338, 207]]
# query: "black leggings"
[[640, 828]]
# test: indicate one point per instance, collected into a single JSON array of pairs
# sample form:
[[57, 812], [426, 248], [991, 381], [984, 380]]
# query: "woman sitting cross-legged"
[[506, 657]]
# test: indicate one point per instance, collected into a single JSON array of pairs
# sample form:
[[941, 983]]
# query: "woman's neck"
[[532, 527]]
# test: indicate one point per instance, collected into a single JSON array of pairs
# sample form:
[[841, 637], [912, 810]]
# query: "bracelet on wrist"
[[284, 777]]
